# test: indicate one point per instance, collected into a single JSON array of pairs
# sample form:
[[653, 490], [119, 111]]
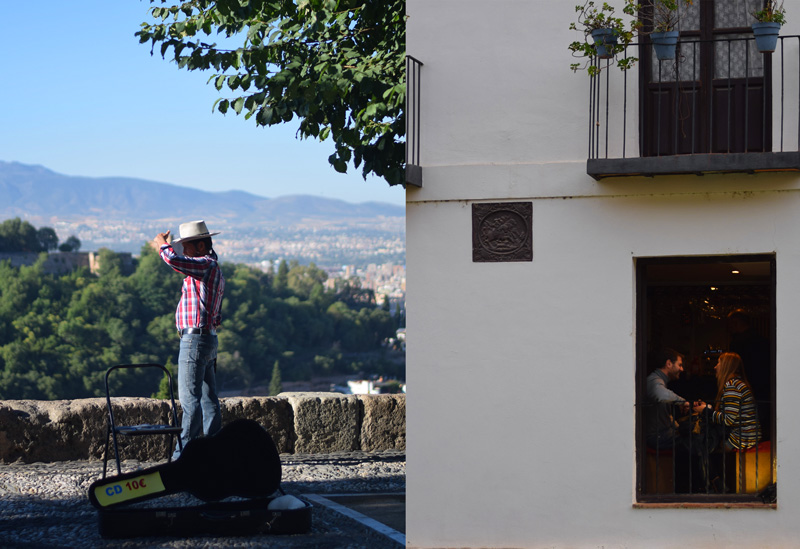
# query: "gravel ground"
[[45, 505]]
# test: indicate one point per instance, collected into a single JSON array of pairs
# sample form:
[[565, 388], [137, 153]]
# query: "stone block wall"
[[303, 423]]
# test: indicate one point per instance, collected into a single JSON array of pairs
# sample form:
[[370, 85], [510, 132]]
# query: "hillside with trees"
[[59, 334]]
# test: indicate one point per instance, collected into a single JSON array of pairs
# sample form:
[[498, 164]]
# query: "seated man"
[[664, 408], [663, 404]]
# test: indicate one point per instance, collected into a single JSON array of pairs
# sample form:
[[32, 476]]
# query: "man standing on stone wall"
[[197, 319]]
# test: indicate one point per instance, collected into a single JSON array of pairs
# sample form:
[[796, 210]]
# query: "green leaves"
[[338, 66], [591, 18], [238, 104]]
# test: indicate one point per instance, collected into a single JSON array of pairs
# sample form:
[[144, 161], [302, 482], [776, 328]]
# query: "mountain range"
[[37, 193], [123, 214]]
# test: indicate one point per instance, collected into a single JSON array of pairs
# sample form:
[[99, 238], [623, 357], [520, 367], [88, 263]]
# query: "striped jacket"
[[737, 412]]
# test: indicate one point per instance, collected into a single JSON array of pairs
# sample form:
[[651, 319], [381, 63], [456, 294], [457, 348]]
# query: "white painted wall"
[[521, 414]]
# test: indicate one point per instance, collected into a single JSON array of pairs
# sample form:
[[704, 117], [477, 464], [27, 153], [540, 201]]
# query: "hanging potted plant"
[[768, 25], [664, 16], [609, 34]]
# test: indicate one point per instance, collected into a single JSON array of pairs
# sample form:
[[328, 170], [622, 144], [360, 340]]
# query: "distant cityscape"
[[326, 243], [373, 252]]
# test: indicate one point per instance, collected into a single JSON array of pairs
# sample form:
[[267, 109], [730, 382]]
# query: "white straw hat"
[[193, 230]]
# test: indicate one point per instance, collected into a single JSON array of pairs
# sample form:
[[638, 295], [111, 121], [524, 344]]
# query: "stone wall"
[[302, 423]]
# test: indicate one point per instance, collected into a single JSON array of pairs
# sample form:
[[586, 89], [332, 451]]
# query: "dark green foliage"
[[281, 281], [20, 236], [337, 66], [48, 239], [275, 387], [71, 244], [163, 387], [59, 334]]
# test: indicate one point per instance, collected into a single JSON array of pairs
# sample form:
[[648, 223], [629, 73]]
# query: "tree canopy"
[[59, 334], [336, 65], [17, 235], [72, 244], [20, 236]]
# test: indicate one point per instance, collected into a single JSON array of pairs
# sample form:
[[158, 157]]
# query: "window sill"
[[696, 164], [702, 501], [706, 505]]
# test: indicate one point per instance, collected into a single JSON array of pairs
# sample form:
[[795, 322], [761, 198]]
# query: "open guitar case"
[[239, 462]]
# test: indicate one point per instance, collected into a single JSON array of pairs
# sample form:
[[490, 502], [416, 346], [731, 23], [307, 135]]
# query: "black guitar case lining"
[[240, 461]]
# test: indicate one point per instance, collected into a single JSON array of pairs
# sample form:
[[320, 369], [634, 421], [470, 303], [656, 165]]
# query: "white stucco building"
[[536, 292]]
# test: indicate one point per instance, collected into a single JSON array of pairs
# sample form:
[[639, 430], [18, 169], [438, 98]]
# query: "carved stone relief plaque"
[[502, 231]]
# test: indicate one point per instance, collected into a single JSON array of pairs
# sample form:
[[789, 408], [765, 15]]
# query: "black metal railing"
[[686, 456], [413, 169], [716, 97]]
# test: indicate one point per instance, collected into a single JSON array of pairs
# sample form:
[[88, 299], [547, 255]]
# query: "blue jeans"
[[197, 387]]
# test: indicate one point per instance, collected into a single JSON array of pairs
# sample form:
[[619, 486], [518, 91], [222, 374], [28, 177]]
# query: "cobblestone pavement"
[[45, 505]]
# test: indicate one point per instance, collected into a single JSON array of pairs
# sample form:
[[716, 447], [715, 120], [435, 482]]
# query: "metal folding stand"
[[113, 430]]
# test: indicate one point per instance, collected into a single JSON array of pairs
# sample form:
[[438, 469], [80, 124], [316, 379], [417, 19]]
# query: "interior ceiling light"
[[735, 272], [714, 288]]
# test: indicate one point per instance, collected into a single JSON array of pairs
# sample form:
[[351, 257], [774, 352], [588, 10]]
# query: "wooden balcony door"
[[715, 96]]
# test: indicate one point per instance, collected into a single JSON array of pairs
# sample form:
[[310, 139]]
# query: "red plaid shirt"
[[201, 295]]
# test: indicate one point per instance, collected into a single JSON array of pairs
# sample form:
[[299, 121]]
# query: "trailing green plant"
[[653, 15], [593, 17], [773, 12]]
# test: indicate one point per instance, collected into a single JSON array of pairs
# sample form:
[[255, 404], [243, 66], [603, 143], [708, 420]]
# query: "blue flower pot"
[[604, 42], [766, 36], [664, 44]]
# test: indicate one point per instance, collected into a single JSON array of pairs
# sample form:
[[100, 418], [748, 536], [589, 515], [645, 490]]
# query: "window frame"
[[643, 499], [698, 98]]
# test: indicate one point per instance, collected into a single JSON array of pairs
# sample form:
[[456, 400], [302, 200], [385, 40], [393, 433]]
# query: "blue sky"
[[80, 96]]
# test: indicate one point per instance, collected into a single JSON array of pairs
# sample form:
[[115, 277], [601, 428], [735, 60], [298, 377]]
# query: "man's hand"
[[159, 240]]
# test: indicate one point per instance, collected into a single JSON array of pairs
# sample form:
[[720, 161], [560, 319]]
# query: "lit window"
[[705, 379]]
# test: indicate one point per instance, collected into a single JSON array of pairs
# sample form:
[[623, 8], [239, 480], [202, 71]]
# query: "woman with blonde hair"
[[735, 405]]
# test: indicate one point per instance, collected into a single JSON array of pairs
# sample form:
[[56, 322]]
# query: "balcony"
[[719, 107], [413, 168]]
